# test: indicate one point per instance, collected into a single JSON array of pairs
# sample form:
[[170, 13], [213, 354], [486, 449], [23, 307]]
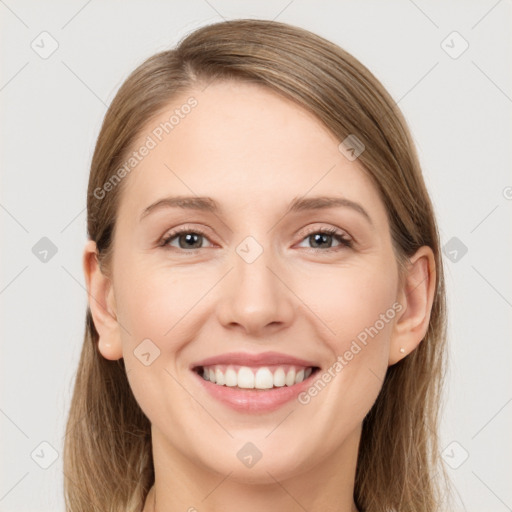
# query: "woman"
[[266, 320]]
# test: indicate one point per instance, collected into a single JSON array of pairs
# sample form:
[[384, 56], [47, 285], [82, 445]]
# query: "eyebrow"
[[298, 204]]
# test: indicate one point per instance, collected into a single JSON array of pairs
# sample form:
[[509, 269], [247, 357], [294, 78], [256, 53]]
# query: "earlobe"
[[102, 304], [416, 297]]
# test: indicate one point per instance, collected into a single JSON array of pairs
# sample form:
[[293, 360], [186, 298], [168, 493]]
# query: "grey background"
[[459, 111]]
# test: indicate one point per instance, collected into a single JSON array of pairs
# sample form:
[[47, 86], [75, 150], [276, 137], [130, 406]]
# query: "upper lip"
[[247, 359]]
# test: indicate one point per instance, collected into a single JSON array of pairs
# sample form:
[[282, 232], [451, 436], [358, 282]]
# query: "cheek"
[[148, 308], [357, 306], [157, 302], [352, 301]]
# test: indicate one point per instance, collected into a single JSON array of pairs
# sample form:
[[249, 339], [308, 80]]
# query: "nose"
[[256, 297]]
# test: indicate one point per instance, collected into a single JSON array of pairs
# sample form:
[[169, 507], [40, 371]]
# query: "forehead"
[[242, 144]]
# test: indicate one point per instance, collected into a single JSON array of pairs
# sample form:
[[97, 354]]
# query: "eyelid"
[[315, 229]]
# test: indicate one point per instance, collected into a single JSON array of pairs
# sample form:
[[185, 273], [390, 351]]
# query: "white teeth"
[[290, 378], [231, 377], [264, 379], [252, 378], [245, 378], [219, 377], [279, 378]]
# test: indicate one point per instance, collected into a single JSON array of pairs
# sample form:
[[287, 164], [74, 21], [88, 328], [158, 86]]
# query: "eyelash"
[[338, 235]]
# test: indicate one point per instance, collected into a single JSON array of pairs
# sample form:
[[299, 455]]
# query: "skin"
[[253, 151]]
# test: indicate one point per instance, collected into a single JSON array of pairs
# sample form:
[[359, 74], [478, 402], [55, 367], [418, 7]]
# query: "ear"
[[102, 304], [416, 298]]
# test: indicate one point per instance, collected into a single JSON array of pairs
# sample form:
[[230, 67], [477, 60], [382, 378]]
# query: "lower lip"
[[255, 400]]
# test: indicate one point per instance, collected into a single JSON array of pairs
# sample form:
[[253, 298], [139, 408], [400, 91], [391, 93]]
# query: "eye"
[[187, 238], [191, 240], [320, 237]]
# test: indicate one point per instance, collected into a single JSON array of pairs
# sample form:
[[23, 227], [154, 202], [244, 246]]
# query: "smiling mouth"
[[260, 377]]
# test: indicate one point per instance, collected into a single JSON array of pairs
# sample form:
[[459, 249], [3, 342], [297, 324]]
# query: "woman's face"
[[254, 275]]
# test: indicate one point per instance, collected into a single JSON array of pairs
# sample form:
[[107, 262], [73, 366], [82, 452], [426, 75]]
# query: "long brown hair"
[[108, 463]]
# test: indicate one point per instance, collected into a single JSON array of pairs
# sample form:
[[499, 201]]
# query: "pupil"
[[190, 238], [320, 237]]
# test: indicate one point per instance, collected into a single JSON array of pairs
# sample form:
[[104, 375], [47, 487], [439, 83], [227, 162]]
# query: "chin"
[[265, 470]]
